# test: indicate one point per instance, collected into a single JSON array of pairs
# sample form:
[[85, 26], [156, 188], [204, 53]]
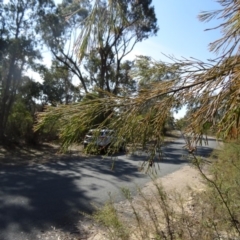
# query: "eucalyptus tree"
[[19, 48], [30, 94], [57, 86], [58, 29], [22, 114], [109, 34]]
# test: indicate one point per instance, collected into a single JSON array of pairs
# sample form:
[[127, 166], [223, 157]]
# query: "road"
[[34, 198]]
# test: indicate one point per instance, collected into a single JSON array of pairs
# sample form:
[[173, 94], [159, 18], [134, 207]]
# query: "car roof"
[[102, 130]]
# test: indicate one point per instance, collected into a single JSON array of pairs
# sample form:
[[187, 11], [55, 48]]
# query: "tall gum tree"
[[109, 34], [58, 29], [18, 50]]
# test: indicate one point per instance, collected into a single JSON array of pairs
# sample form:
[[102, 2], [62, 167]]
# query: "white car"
[[100, 138]]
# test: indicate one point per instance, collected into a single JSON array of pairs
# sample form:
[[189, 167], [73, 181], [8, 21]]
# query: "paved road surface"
[[34, 198]]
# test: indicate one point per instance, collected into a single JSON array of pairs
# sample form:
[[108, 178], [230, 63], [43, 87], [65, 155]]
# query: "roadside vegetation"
[[209, 212], [135, 98]]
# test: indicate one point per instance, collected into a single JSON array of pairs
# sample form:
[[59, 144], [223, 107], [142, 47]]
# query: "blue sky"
[[181, 33]]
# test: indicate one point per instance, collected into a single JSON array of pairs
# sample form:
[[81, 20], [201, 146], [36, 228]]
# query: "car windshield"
[[102, 132]]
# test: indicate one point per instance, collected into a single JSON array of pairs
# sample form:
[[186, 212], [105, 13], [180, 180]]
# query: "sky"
[[180, 34]]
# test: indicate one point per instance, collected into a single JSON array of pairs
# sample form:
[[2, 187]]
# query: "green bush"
[[20, 123], [224, 189]]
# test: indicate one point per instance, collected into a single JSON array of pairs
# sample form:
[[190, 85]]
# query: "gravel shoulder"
[[183, 182]]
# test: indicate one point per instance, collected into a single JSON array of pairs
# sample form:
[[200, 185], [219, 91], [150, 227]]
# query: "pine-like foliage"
[[212, 87]]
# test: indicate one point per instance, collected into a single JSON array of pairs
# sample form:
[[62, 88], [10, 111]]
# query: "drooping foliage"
[[211, 87]]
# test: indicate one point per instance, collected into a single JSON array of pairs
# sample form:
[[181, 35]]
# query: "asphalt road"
[[35, 198]]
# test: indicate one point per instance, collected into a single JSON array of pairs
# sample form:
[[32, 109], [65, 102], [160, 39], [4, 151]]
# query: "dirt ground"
[[184, 181]]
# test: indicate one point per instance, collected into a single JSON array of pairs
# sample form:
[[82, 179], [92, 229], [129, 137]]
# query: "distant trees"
[[57, 86], [19, 49]]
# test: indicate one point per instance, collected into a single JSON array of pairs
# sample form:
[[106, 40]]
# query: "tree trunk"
[[2, 128]]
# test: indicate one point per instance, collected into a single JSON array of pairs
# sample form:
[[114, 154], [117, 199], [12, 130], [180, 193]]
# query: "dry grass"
[[145, 215], [196, 202]]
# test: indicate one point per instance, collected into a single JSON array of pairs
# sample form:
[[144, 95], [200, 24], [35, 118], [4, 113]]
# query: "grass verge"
[[209, 212]]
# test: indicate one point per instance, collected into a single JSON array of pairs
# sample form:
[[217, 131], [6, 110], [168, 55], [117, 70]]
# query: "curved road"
[[35, 198]]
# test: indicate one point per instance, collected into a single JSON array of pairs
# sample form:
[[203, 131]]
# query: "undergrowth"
[[210, 214]]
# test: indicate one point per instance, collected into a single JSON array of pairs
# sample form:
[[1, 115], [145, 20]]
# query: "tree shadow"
[[173, 153], [26, 154], [34, 198]]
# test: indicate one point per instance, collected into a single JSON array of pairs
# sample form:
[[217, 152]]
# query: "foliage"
[[211, 87], [126, 115], [57, 87], [20, 123], [109, 34], [19, 50], [146, 71], [181, 124], [211, 212], [102, 63], [133, 118], [49, 133]]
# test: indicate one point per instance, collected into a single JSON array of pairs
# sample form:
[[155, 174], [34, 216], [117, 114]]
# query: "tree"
[[109, 34], [30, 94], [215, 84], [19, 127], [58, 31], [106, 34], [18, 50], [57, 87]]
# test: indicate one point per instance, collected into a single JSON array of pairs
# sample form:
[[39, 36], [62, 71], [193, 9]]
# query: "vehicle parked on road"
[[102, 139]]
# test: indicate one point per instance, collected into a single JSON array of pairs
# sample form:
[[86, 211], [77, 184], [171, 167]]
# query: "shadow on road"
[[40, 196], [37, 198], [34, 198]]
